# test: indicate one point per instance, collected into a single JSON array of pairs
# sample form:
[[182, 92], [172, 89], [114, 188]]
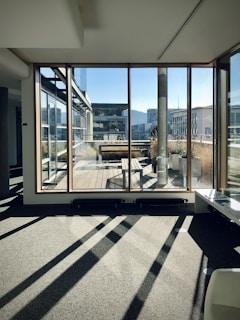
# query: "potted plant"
[[174, 157], [195, 166], [153, 152]]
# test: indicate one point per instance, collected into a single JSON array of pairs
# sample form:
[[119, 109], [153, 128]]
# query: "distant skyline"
[[109, 85]]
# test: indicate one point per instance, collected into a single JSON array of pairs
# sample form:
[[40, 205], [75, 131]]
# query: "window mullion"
[[189, 128], [69, 129]]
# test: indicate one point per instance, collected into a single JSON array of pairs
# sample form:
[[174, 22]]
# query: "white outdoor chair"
[[222, 301]]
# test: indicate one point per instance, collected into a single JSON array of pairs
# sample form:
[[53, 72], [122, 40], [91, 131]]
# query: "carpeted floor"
[[59, 262], [62, 263]]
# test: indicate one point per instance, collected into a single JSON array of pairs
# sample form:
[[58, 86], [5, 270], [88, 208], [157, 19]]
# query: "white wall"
[[28, 145]]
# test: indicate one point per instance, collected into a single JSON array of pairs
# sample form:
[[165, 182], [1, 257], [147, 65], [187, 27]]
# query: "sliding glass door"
[[143, 97], [159, 126], [99, 128], [202, 128], [178, 117]]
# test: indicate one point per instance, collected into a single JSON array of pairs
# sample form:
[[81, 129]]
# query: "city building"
[[152, 115], [201, 123], [109, 121], [234, 118], [141, 131]]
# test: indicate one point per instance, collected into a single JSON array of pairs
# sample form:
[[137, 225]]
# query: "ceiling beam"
[[192, 13], [12, 65]]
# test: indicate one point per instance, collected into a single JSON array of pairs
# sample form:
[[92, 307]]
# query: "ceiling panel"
[[213, 30], [40, 24], [119, 30], [125, 31]]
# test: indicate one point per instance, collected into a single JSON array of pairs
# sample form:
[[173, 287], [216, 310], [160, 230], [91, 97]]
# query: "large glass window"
[[202, 128], [100, 128], [233, 124], [178, 126], [229, 119], [53, 128], [229, 124], [125, 128], [143, 123]]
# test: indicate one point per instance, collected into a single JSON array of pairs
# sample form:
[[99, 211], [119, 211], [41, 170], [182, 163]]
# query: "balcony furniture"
[[214, 201], [135, 167]]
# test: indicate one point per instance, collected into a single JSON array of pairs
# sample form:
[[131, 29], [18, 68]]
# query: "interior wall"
[[28, 146]]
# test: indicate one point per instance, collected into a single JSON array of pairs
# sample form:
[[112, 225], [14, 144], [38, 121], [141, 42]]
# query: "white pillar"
[[162, 160], [4, 163]]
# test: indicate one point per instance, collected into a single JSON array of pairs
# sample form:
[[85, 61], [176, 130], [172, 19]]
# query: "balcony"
[[98, 166]]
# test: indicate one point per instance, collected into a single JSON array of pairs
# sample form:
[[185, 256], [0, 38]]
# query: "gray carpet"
[[61, 263]]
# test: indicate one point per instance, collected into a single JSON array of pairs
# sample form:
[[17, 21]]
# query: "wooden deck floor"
[[102, 176], [92, 176]]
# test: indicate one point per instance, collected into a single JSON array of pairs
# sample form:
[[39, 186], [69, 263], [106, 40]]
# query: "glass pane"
[[202, 128], [159, 127], [233, 167], [99, 128], [54, 128], [101, 157], [143, 123], [177, 127]]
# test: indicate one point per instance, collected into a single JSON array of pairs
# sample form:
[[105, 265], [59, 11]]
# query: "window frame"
[[69, 78]]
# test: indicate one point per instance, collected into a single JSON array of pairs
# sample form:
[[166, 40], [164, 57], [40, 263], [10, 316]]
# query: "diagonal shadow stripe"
[[39, 273], [7, 234], [17, 187], [44, 301], [200, 290], [148, 282]]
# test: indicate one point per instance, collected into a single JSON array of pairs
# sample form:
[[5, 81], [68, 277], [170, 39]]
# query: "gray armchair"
[[222, 301]]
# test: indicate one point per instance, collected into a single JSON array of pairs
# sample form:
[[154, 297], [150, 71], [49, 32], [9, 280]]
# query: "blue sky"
[[109, 85], [235, 79]]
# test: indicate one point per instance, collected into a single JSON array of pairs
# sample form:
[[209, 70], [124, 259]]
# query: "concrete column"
[[4, 163], [162, 160]]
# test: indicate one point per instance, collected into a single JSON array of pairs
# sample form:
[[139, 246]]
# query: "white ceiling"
[[116, 31]]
